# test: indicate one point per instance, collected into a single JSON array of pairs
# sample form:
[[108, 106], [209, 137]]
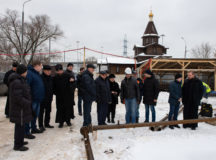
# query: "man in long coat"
[[62, 87], [192, 92]]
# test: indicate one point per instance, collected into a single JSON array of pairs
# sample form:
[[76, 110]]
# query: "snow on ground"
[[127, 144]]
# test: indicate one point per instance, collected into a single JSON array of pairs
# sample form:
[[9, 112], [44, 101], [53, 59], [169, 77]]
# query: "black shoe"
[[60, 125], [23, 148], [29, 136], [80, 114], [177, 126], [104, 124], [49, 126], [36, 131], [69, 124], [108, 121], [42, 129], [25, 143], [193, 128], [171, 127], [7, 116], [113, 121], [146, 121]]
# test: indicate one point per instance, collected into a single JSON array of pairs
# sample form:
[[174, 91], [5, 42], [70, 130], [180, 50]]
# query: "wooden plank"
[[195, 70]]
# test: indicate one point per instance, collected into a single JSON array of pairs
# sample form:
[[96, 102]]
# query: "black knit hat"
[[21, 69], [177, 76], [148, 71], [46, 67], [90, 66], [70, 64], [112, 76], [58, 67], [15, 64]]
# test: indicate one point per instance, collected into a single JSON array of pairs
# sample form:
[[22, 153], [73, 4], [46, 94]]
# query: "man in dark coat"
[[115, 91], [140, 84], [103, 97], [37, 91], [70, 73], [89, 93], [79, 86], [150, 94], [5, 80], [130, 95], [175, 98], [20, 105], [62, 86], [47, 101], [192, 92]]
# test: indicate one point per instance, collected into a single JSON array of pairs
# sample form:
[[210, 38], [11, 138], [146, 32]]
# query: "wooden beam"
[[215, 79], [195, 70], [187, 64], [213, 63]]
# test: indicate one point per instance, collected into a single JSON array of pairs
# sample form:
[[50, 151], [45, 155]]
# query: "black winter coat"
[[150, 90], [79, 84], [130, 89], [114, 87], [192, 92], [64, 92], [48, 84], [7, 74], [88, 87], [20, 100], [103, 91], [175, 91]]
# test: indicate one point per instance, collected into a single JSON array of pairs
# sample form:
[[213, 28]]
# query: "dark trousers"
[[7, 106], [87, 112], [80, 99], [44, 108], [19, 135], [173, 113], [102, 109], [190, 112], [111, 111]]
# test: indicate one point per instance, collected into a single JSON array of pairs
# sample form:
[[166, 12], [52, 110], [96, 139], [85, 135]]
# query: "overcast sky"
[[103, 23]]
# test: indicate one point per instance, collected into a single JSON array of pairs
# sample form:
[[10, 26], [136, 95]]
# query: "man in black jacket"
[[130, 96], [47, 101], [69, 72], [79, 86], [89, 93], [103, 97], [192, 92], [20, 105], [150, 94], [5, 80], [63, 86], [115, 91]]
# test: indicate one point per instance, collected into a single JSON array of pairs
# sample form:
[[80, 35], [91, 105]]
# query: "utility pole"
[[125, 46], [185, 54], [84, 65], [22, 47], [77, 56]]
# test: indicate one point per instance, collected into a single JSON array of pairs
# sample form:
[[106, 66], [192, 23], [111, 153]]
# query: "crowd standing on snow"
[[31, 93]]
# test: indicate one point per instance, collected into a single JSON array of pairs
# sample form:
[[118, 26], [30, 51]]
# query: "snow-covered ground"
[[127, 144]]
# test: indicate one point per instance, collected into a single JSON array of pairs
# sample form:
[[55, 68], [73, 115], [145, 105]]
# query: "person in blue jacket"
[[175, 98], [89, 93], [37, 92]]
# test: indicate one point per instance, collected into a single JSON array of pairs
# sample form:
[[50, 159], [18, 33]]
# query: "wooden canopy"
[[177, 65]]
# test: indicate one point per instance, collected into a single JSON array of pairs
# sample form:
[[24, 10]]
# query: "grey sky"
[[97, 23]]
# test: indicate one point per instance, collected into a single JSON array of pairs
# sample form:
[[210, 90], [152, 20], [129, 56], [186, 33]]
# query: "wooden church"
[[150, 43]]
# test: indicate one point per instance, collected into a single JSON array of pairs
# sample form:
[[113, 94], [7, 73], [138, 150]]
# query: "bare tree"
[[91, 60], [36, 31], [205, 50]]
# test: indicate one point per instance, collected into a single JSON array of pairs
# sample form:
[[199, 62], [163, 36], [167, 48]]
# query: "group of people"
[[31, 93]]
